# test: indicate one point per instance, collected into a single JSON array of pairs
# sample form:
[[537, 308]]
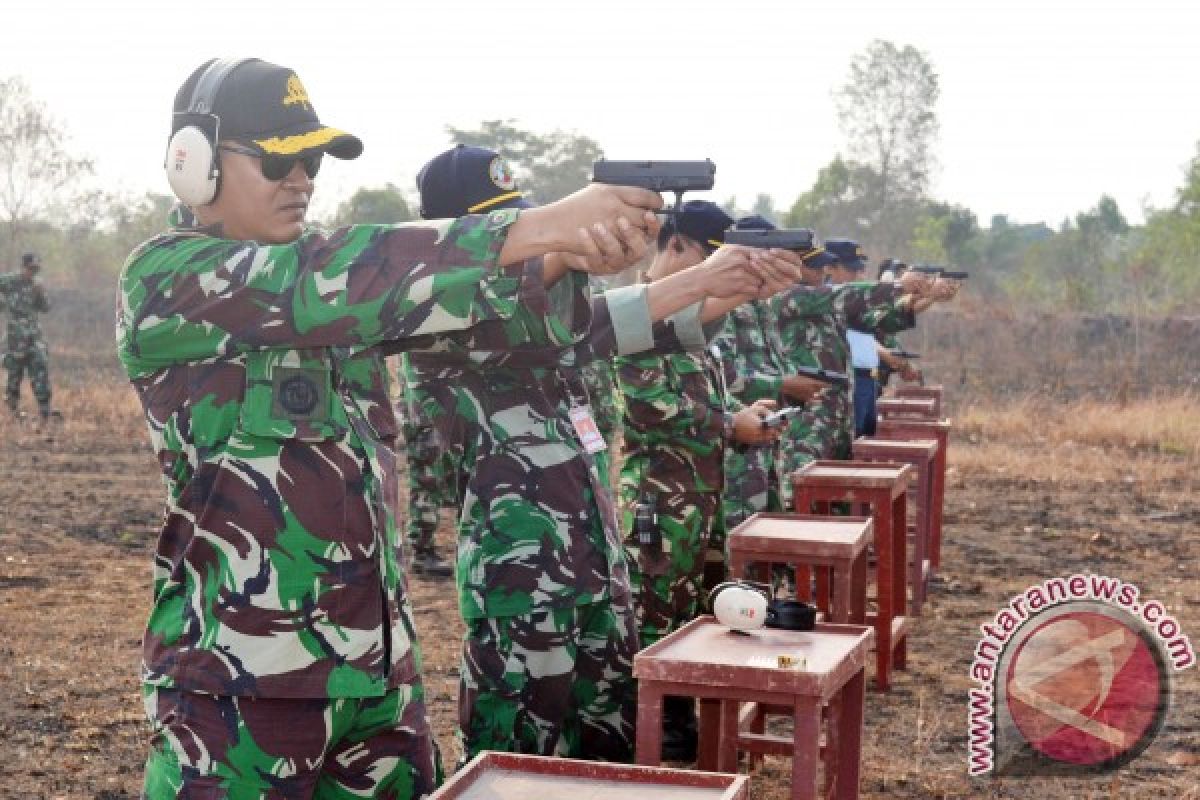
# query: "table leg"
[[727, 752], [850, 728], [843, 596], [858, 598], [649, 723], [710, 734], [822, 596], [885, 580], [939, 498], [806, 747]]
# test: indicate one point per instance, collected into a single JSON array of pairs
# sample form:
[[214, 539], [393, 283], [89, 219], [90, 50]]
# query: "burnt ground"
[[78, 514]]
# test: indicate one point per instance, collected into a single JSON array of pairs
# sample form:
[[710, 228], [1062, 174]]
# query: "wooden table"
[[507, 776], [922, 455], [916, 407], [723, 668], [883, 487], [836, 547], [914, 429], [934, 392]]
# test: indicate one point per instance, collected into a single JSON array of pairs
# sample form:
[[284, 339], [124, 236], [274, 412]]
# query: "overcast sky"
[[1045, 105]]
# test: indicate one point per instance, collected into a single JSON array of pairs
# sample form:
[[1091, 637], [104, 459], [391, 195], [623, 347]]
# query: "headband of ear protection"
[[191, 163]]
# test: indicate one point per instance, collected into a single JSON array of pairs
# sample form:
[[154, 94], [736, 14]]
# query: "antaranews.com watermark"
[[1074, 675]]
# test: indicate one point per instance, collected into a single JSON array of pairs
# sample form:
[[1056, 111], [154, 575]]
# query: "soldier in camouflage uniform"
[[753, 363], [815, 337], [280, 657], [434, 478], [677, 424], [24, 297], [543, 585]]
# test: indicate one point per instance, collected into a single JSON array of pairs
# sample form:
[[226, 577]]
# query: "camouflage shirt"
[[260, 372], [22, 299], [537, 529], [675, 408], [750, 353]]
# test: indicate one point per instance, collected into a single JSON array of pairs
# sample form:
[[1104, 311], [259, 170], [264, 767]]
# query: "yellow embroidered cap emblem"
[[296, 93], [501, 173]]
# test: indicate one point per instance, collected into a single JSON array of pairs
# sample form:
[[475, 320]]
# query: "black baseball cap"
[[30, 260], [266, 107], [468, 180], [847, 252], [701, 220]]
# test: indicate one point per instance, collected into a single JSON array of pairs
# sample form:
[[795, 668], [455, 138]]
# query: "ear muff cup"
[[192, 167]]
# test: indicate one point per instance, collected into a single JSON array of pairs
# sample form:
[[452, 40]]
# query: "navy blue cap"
[[702, 220], [819, 259], [847, 252], [755, 222], [467, 180]]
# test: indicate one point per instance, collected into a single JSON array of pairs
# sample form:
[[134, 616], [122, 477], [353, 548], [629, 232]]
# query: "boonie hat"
[[468, 180], [266, 107]]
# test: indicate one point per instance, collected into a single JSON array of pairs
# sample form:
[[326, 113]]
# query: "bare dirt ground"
[[79, 508]]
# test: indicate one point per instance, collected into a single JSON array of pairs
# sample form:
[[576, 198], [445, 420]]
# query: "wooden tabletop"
[[922, 405], [897, 447], [822, 536], [507, 776], [854, 474], [706, 652]]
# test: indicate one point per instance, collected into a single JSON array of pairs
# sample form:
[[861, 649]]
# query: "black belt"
[[863, 372]]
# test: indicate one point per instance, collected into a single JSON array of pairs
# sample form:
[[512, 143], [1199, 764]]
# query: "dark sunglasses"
[[276, 168]]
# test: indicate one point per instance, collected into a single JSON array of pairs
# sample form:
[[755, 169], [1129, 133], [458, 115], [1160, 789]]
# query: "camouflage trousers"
[[207, 747], [34, 360], [751, 483], [557, 681], [824, 431], [669, 580], [433, 481]]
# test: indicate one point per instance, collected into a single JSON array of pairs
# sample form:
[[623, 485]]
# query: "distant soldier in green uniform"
[[815, 337], [547, 663], [434, 474], [280, 657], [24, 297], [754, 369]]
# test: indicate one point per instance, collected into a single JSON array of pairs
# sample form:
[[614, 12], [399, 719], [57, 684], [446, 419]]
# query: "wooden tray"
[[506, 776]]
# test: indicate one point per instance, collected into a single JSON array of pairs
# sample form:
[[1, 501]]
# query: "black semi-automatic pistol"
[[799, 240], [676, 177], [838, 379]]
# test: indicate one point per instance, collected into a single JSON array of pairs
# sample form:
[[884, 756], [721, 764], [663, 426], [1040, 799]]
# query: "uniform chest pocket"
[[290, 395]]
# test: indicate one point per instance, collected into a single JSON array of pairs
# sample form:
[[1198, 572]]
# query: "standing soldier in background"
[[434, 475], [25, 297]]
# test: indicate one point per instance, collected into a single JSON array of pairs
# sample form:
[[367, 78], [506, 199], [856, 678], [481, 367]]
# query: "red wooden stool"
[[835, 547], [885, 488], [922, 455], [914, 429], [916, 407], [802, 672], [909, 390], [491, 775]]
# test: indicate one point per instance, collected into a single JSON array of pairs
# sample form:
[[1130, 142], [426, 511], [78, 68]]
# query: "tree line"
[[877, 191]]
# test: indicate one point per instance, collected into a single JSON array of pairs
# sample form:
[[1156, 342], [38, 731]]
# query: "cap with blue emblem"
[[847, 252], [468, 180]]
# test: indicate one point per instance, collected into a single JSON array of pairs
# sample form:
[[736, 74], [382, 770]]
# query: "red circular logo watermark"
[[1087, 687]]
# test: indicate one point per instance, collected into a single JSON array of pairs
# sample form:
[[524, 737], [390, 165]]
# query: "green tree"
[[386, 205], [549, 166], [886, 110], [36, 171]]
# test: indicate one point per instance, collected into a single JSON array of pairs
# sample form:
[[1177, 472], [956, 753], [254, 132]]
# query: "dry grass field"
[[1036, 490]]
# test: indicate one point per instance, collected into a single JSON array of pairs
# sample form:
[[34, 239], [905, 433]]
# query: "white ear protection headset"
[[191, 162], [740, 606]]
